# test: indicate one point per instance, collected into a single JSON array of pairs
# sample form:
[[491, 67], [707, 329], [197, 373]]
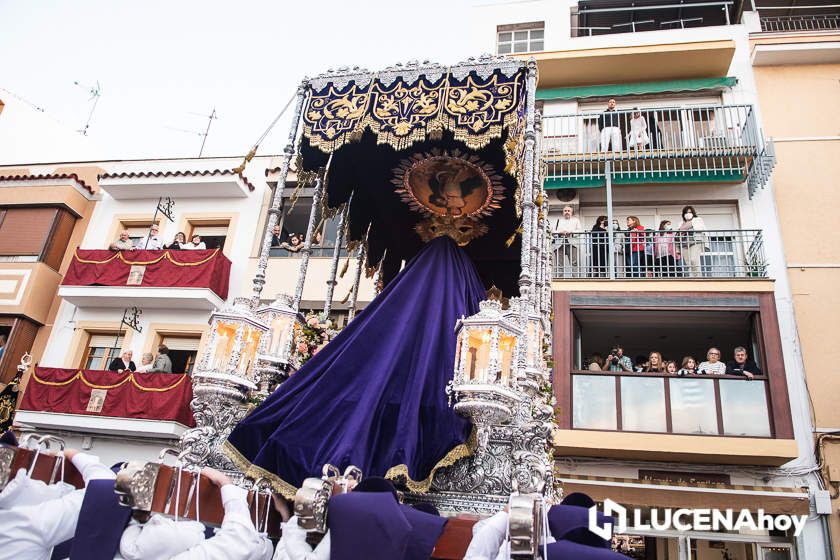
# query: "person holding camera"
[[617, 361]]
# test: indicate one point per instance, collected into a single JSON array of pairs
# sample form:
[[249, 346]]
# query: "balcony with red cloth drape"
[[147, 396], [163, 278]]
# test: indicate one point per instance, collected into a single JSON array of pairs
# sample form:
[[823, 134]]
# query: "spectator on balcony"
[[566, 230], [123, 243], [275, 236], [295, 243], [146, 362], [666, 250], [636, 236], [600, 248], [196, 243], [123, 363], [712, 365], [179, 243], [742, 364], [689, 366], [163, 363], [610, 127], [692, 240], [654, 363], [151, 241], [639, 363], [671, 367], [617, 361], [638, 136], [596, 362]]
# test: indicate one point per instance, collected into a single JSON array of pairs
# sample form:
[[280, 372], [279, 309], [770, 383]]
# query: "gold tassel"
[[512, 238], [344, 268], [248, 158], [347, 297]]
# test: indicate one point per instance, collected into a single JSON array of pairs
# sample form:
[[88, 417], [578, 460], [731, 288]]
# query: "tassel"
[[512, 238], [344, 268], [238, 170], [347, 297]]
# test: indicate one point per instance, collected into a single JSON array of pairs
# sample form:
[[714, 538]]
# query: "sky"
[[164, 65]]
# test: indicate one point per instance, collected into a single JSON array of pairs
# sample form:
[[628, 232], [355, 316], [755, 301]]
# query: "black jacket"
[[734, 368], [117, 364], [609, 118]]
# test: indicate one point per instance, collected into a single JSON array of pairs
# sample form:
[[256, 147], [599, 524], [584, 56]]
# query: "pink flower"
[[301, 347], [312, 321]]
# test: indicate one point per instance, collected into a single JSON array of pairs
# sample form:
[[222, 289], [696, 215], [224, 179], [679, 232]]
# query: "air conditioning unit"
[[565, 197]]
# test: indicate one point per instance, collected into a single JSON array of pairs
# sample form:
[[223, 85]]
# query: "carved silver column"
[[527, 187], [277, 199], [354, 294], [339, 241], [314, 213], [536, 188]]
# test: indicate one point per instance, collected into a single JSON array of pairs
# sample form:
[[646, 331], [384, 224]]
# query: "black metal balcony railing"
[[827, 22], [727, 405], [672, 144], [667, 254], [323, 250]]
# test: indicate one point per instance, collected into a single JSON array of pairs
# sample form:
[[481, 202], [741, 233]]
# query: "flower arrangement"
[[309, 337]]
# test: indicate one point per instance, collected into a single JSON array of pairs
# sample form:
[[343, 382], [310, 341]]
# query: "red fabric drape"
[[164, 268], [152, 396]]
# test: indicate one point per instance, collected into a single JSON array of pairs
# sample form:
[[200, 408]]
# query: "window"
[[213, 235], [520, 38], [182, 351], [32, 234], [295, 223], [101, 349]]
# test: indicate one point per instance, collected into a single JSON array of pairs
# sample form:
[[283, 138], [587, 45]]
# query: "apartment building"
[[796, 62], [686, 130]]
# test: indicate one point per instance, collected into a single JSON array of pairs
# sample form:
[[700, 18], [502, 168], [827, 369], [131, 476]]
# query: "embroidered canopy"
[[422, 147]]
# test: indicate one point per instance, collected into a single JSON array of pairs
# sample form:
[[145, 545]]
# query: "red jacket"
[[637, 239]]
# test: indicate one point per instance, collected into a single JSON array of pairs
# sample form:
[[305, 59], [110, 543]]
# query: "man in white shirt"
[[151, 241], [293, 546], [162, 538], [566, 240], [36, 517], [489, 540]]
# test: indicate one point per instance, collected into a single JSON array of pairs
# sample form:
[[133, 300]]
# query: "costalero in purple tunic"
[[374, 397]]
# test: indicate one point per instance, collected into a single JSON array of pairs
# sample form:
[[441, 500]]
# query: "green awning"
[[670, 86]]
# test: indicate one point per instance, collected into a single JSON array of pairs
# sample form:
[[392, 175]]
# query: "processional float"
[[458, 156]]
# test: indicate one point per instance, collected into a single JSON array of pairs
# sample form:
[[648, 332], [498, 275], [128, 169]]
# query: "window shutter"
[[24, 231], [105, 341], [181, 343]]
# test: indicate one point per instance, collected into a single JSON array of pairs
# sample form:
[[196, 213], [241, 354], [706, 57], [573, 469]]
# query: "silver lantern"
[[275, 349], [487, 352]]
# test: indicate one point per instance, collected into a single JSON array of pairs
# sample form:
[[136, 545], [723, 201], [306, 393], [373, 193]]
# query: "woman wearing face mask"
[[692, 240], [666, 261], [600, 249]]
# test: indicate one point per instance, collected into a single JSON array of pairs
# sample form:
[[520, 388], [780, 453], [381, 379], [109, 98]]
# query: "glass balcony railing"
[[710, 143], [727, 405], [649, 254]]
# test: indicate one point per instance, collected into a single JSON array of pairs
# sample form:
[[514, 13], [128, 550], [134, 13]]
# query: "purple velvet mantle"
[[374, 396]]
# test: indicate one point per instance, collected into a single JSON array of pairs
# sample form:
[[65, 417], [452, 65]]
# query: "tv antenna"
[[210, 118], [95, 93]]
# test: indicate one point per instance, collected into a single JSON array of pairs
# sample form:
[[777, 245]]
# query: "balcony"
[[155, 405], [793, 24], [148, 279], [671, 255], [712, 143]]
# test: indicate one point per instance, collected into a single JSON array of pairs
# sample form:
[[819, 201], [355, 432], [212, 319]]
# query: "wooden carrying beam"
[[163, 489], [46, 467]]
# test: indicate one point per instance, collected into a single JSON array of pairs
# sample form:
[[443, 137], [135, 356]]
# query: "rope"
[[253, 151], [166, 255], [130, 378]]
